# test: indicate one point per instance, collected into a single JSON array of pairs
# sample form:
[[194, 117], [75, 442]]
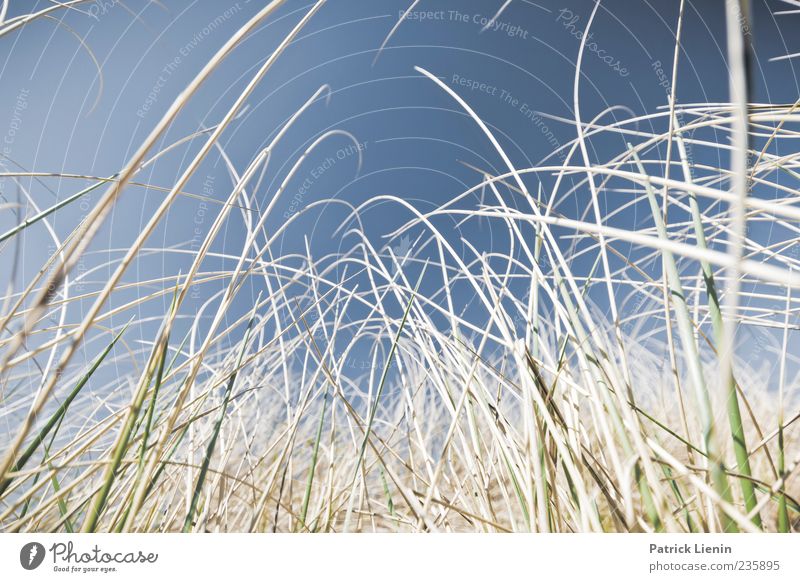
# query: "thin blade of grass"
[[187, 522]]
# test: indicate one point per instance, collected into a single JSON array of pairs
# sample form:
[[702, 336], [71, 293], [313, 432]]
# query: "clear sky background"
[[414, 141]]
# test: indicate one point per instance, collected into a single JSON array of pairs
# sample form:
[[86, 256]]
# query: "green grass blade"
[[58, 415], [686, 331], [381, 384], [187, 523], [48, 211]]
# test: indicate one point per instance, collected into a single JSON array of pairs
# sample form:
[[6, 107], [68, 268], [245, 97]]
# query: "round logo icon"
[[31, 555]]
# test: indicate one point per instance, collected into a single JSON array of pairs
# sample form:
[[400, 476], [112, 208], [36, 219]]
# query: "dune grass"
[[564, 399]]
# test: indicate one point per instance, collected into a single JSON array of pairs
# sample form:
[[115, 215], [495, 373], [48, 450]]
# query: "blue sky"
[[413, 140]]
